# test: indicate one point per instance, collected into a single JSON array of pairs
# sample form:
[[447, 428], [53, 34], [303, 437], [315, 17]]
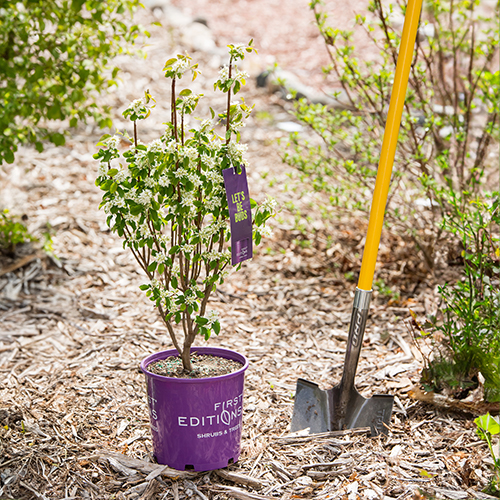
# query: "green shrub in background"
[[449, 127], [53, 61], [12, 233], [465, 334]]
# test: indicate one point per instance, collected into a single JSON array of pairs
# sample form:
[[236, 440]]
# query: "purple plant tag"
[[240, 214]]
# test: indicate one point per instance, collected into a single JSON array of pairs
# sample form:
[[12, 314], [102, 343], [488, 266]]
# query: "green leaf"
[[58, 139], [216, 327], [488, 423], [8, 156]]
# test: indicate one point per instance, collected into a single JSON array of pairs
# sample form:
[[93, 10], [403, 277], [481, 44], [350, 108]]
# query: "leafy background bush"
[[450, 123], [54, 57]]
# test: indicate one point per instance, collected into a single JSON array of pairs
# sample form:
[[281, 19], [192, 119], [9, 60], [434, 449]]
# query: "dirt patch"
[[204, 366]]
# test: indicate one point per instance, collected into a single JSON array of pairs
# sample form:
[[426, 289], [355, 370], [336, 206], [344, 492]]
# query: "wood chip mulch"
[[75, 326]]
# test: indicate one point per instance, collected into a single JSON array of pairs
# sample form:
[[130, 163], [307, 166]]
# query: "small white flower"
[[241, 75], [187, 248], [149, 182], [191, 99], [164, 181], [265, 231], [160, 258], [212, 317], [236, 150], [189, 152], [180, 67], [156, 146], [113, 142], [269, 204], [164, 238], [187, 200], [180, 172], [212, 203], [144, 198], [103, 169], [171, 147], [190, 300], [224, 74], [214, 177], [144, 231], [136, 106], [209, 161], [195, 179], [122, 175]]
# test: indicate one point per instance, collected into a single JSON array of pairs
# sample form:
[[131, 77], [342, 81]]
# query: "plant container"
[[196, 423]]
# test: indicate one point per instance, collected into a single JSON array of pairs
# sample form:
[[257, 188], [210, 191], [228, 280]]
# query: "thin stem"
[[228, 118]]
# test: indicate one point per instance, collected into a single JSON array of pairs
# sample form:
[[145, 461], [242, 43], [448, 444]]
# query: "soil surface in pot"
[[204, 365]]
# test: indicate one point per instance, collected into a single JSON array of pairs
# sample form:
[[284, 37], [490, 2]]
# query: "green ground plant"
[[12, 233], [54, 57], [465, 334], [487, 427], [450, 122]]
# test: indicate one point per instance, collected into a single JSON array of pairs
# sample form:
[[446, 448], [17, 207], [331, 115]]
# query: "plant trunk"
[[186, 357]]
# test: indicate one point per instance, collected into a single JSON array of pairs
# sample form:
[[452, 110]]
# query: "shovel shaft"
[[389, 144], [359, 316], [355, 339]]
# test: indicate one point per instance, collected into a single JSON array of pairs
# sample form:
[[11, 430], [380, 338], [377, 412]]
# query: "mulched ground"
[[74, 328]]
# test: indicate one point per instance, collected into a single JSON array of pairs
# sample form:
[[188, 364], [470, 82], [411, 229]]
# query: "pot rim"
[[215, 351]]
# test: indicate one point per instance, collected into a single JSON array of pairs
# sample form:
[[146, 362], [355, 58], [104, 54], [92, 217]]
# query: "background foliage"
[[53, 61], [449, 126]]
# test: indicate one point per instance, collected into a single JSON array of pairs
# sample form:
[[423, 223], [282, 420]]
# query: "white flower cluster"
[[206, 124], [241, 75], [223, 256], [156, 146], [190, 300], [103, 168], [139, 108], [189, 152], [187, 200], [171, 147], [212, 317], [236, 150], [265, 231], [214, 177], [164, 181], [195, 179], [180, 67], [160, 258], [191, 99], [212, 203], [224, 74], [144, 198], [122, 175], [112, 142], [180, 172], [186, 248], [269, 204], [209, 161]]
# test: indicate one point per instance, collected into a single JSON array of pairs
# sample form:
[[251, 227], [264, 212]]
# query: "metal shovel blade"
[[342, 407], [322, 410]]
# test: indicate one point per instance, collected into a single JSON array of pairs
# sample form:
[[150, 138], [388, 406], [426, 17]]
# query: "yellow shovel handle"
[[389, 144]]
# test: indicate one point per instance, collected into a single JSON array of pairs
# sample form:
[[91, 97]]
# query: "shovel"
[[342, 407]]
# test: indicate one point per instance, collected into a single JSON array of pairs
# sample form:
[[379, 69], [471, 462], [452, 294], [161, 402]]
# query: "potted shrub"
[[168, 200]]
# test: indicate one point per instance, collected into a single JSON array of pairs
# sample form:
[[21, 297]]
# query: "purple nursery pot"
[[196, 423]]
